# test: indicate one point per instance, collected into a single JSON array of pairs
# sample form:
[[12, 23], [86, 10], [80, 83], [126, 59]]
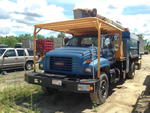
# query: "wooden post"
[[99, 47], [119, 53], [120, 45], [34, 39]]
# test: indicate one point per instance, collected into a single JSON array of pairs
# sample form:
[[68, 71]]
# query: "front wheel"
[[101, 95], [29, 65]]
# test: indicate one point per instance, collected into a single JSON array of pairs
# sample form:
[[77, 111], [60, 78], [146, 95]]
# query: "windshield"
[[2, 51], [82, 41]]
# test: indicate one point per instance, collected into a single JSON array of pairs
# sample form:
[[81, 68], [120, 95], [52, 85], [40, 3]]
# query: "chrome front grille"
[[61, 63]]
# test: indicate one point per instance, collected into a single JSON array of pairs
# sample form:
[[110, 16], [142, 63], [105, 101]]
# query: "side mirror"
[[5, 56]]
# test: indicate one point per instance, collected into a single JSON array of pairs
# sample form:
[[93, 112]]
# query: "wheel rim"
[[103, 88], [29, 66]]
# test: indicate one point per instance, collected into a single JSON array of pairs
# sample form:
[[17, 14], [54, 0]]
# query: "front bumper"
[[62, 82]]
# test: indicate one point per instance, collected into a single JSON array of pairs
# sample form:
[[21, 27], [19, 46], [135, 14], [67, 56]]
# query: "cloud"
[[139, 9], [137, 22], [29, 14], [24, 22], [4, 30], [112, 7], [20, 16], [23, 14], [4, 14]]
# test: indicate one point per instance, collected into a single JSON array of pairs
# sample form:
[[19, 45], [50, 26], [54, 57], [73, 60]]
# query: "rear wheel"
[[139, 66], [131, 73], [101, 95]]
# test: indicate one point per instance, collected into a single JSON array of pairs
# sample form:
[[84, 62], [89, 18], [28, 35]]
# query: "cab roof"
[[82, 26]]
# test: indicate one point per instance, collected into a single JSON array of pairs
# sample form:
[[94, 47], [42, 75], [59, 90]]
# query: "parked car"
[[13, 58]]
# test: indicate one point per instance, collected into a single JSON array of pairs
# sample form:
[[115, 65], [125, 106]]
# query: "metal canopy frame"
[[82, 26]]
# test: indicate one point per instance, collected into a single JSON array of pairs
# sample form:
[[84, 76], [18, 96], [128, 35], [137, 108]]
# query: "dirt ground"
[[133, 96]]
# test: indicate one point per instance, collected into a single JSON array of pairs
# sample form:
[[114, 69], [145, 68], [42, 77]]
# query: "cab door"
[[10, 59], [108, 49]]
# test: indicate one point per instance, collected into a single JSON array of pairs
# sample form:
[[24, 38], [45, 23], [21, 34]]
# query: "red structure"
[[43, 46]]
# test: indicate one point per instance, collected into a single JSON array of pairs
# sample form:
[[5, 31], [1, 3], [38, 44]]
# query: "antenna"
[[93, 64], [93, 61]]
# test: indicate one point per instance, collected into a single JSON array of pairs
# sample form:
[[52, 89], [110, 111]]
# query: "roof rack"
[[82, 26]]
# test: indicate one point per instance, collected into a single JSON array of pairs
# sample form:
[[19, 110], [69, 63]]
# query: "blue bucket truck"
[[99, 55]]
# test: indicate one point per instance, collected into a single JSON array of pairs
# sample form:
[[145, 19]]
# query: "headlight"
[[85, 87], [88, 69], [88, 61], [41, 66]]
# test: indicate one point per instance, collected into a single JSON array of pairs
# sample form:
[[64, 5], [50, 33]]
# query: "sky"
[[18, 16]]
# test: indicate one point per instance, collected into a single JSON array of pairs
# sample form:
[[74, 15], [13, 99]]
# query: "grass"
[[21, 98], [17, 96]]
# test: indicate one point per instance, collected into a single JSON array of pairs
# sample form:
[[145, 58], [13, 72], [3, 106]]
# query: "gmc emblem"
[[59, 63]]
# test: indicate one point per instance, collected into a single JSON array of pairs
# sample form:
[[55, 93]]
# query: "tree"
[[40, 37], [24, 36], [2, 40], [61, 35], [147, 45], [10, 41], [50, 38]]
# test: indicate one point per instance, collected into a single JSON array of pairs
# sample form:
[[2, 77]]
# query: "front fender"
[[103, 63]]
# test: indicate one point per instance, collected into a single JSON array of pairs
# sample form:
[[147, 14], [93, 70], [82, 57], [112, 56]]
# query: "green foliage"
[[147, 45], [40, 37], [12, 98], [2, 40], [24, 36], [12, 40], [50, 38], [61, 35]]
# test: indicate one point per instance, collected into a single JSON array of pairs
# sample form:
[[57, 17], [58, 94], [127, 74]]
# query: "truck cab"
[[79, 57]]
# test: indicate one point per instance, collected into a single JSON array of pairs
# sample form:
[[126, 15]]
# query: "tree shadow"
[[59, 102], [65, 102], [8, 71], [143, 102], [68, 102]]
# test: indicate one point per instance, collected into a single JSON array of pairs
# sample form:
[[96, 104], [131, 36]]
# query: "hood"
[[75, 65], [72, 51]]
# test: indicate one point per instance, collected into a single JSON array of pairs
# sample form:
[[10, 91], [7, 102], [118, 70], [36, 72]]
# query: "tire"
[[100, 96], [131, 73], [29, 65], [49, 91], [139, 66]]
